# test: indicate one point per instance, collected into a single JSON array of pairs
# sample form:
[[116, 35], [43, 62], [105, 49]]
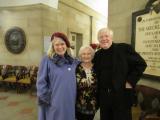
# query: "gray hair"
[[86, 47], [107, 30], [51, 51]]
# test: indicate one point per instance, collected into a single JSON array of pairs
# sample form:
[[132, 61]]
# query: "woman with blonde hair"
[[56, 83]]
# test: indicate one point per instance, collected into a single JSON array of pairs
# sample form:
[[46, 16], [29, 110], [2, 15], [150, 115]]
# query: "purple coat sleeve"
[[43, 91]]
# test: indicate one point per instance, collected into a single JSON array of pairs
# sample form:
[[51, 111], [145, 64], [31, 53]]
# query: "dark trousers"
[[114, 106], [80, 116]]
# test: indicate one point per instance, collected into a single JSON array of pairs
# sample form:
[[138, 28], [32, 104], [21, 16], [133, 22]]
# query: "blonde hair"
[[107, 30], [51, 51], [86, 47]]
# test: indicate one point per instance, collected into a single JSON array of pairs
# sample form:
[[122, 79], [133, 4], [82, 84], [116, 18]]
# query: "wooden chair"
[[23, 79], [149, 101], [33, 78], [9, 77], [1, 66]]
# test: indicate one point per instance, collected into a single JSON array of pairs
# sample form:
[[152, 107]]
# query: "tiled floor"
[[135, 113], [23, 106], [15, 106]]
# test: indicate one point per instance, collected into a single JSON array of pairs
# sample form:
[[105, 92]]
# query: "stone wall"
[[120, 20], [39, 21], [120, 17]]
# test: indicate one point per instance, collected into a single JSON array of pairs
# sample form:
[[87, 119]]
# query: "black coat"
[[128, 65]]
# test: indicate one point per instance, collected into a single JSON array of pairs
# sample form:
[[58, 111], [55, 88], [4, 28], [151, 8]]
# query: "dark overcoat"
[[128, 66]]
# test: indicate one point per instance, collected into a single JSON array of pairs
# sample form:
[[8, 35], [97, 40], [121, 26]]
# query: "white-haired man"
[[118, 68]]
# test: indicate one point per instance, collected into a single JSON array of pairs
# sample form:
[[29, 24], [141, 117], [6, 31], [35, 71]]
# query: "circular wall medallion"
[[15, 40]]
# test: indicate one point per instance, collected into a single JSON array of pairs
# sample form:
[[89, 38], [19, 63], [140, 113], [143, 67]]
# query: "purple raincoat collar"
[[60, 61]]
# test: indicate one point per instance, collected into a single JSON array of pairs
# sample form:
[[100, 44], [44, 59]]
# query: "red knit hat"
[[62, 36]]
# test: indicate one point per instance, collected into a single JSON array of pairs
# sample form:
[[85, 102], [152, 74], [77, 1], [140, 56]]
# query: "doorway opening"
[[76, 42]]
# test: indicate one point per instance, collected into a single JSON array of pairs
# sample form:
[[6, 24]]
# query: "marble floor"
[[135, 113], [14, 106]]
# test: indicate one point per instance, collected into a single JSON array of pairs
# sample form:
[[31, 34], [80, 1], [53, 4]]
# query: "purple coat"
[[56, 88]]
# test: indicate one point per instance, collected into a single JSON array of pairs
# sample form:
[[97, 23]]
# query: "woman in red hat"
[[56, 84]]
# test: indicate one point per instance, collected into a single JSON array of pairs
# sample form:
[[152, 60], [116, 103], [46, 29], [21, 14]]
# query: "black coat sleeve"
[[136, 65], [96, 63]]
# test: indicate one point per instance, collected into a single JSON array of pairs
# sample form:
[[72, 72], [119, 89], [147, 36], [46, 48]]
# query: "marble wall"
[[39, 21], [29, 19], [120, 17], [120, 20]]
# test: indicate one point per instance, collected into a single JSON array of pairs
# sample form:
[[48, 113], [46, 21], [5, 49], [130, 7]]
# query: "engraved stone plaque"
[[146, 36]]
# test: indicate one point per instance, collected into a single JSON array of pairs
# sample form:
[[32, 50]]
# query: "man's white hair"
[[107, 30]]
